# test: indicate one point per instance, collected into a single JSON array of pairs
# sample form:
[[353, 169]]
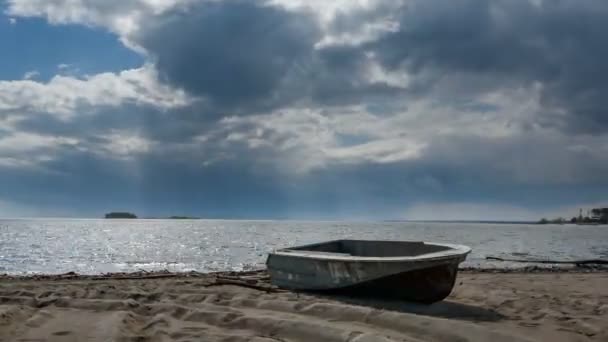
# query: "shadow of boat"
[[444, 309]]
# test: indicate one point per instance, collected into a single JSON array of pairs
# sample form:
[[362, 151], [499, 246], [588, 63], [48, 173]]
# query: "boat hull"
[[426, 286], [420, 278]]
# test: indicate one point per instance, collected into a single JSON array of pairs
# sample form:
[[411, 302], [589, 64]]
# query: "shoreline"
[[262, 271]]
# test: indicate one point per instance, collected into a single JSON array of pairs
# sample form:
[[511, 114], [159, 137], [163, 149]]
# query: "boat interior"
[[364, 248]]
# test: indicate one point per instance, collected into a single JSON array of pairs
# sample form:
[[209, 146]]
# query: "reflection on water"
[[97, 246]]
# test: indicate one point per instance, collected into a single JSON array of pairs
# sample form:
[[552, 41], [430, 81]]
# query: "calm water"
[[99, 246]]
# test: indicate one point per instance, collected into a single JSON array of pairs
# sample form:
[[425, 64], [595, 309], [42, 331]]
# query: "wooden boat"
[[414, 271]]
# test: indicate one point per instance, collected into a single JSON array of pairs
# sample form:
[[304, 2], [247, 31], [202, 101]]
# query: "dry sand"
[[483, 307]]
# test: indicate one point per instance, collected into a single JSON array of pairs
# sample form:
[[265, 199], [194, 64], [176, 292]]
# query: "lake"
[[97, 246]]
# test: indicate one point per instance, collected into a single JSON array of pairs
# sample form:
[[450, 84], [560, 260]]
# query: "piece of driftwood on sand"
[[557, 262]]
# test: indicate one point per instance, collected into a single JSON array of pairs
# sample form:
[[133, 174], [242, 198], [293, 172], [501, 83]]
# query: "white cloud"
[[64, 69], [489, 135], [63, 96], [15, 162], [20, 149], [31, 75], [366, 32], [124, 145], [311, 139], [25, 142], [68, 98], [125, 17], [395, 78], [327, 10], [121, 17], [28, 150], [405, 134], [12, 21]]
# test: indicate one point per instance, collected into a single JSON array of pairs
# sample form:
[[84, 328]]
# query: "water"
[[99, 246]]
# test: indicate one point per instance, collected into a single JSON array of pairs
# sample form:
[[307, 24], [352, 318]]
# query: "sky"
[[296, 109]]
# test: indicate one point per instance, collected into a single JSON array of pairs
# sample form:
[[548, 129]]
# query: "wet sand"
[[560, 306]]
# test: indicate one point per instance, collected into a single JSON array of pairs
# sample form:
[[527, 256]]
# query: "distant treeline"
[[127, 215], [120, 215]]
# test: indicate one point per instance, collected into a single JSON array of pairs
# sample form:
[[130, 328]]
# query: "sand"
[[483, 307]]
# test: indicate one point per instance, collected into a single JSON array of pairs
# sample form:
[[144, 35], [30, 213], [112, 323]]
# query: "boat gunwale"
[[453, 252]]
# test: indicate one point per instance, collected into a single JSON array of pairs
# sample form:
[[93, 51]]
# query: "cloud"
[[470, 145], [63, 95], [287, 52], [70, 70], [247, 57], [240, 56], [233, 52], [463, 50], [118, 16], [12, 21], [31, 74], [506, 44], [344, 107]]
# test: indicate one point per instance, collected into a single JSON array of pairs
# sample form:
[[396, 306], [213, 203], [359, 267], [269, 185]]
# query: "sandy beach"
[[244, 307]]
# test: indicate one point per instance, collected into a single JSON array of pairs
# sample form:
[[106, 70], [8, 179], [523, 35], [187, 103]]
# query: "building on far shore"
[[599, 215]]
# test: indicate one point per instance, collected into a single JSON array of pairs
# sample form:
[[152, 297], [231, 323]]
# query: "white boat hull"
[[423, 272]]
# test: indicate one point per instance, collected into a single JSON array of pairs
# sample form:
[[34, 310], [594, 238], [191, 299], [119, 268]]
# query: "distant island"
[[594, 216], [127, 215], [120, 215]]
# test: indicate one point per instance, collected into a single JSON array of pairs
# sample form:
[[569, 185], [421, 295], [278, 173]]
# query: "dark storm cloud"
[[338, 78], [562, 45], [235, 53], [247, 56]]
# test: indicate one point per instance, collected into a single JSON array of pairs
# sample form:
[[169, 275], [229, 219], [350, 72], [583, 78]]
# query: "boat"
[[409, 270]]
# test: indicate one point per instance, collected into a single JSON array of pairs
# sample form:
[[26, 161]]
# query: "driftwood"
[[248, 279], [561, 262], [265, 288], [218, 281], [250, 276], [155, 276]]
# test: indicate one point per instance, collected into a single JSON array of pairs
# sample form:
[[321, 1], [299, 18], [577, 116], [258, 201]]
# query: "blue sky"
[[32, 45], [303, 109]]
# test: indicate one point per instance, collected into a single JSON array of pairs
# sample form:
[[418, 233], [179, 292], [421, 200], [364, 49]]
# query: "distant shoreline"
[[463, 221], [280, 220], [131, 216]]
